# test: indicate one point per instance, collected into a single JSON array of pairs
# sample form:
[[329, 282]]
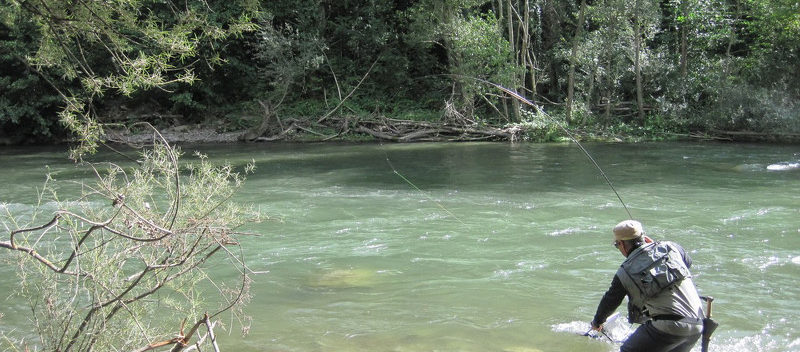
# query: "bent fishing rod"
[[569, 134]]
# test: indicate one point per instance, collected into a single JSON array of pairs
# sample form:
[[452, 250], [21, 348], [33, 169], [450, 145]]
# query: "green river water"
[[503, 247]]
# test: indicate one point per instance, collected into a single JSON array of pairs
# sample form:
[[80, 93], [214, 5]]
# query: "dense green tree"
[[312, 54], [124, 46], [27, 102], [671, 64], [727, 71], [474, 46]]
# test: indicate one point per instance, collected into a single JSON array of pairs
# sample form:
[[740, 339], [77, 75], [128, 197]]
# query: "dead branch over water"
[[135, 237]]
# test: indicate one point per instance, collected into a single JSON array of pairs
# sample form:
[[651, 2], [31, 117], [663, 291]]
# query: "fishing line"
[[569, 134], [540, 112], [439, 204]]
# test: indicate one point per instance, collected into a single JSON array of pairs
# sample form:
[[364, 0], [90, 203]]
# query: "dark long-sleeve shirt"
[[610, 301]]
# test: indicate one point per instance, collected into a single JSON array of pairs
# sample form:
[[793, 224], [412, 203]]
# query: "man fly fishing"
[[661, 294], [655, 277]]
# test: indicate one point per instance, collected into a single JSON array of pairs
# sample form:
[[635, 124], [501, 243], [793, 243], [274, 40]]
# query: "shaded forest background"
[[651, 68]]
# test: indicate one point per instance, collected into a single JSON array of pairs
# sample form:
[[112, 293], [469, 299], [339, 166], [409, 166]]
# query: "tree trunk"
[[731, 38], [606, 93], [257, 131], [590, 92], [530, 56], [514, 102], [637, 42], [572, 59], [526, 39], [550, 38], [461, 98], [684, 39], [531, 62]]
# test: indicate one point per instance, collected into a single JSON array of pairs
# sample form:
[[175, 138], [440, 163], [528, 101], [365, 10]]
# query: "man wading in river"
[[661, 295]]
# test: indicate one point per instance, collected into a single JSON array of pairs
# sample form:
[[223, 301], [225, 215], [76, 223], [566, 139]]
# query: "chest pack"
[[654, 268]]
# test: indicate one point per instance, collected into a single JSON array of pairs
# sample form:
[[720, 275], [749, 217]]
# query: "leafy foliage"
[[208, 62], [26, 100], [123, 46]]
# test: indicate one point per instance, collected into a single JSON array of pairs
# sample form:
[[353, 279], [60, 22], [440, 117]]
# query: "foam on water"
[[749, 167], [764, 263], [783, 166], [563, 232], [616, 329], [576, 327], [762, 341]]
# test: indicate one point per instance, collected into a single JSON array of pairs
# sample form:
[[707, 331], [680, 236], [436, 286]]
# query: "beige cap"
[[628, 230]]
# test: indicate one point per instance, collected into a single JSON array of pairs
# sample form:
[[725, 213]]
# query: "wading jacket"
[[657, 281]]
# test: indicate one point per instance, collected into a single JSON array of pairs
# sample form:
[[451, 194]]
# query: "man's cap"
[[628, 230]]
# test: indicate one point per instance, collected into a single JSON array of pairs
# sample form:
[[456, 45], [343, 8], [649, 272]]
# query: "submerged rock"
[[521, 349], [344, 278]]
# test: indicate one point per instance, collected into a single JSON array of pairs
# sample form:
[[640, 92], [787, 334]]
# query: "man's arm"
[[609, 303], [686, 258]]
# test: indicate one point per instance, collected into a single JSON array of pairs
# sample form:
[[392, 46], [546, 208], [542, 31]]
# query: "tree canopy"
[[673, 65]]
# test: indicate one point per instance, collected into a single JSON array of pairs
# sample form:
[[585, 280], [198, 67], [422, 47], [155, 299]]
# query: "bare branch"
[[210, 327], [118, 256], [37, 256], [46, 227], [341, 102]]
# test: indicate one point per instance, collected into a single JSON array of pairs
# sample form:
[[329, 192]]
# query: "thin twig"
[[210, 327], [351, 92], [335, 80]]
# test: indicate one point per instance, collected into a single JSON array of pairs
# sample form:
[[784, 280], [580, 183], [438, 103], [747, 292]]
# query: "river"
[[487, 246]]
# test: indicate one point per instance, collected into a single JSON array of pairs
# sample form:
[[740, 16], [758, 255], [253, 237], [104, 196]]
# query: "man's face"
[[621, 246]]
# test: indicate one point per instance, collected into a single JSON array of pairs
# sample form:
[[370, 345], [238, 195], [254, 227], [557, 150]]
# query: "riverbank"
[[177, 134], [416, 131], [408, 131]]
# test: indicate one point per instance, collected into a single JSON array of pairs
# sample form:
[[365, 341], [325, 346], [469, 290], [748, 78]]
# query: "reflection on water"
[[488, 247]]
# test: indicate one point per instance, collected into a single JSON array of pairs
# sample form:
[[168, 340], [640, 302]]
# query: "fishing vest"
[[650, 270]]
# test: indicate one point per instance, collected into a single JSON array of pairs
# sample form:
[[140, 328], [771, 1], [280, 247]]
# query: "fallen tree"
[[410, 131], [388, 129]]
